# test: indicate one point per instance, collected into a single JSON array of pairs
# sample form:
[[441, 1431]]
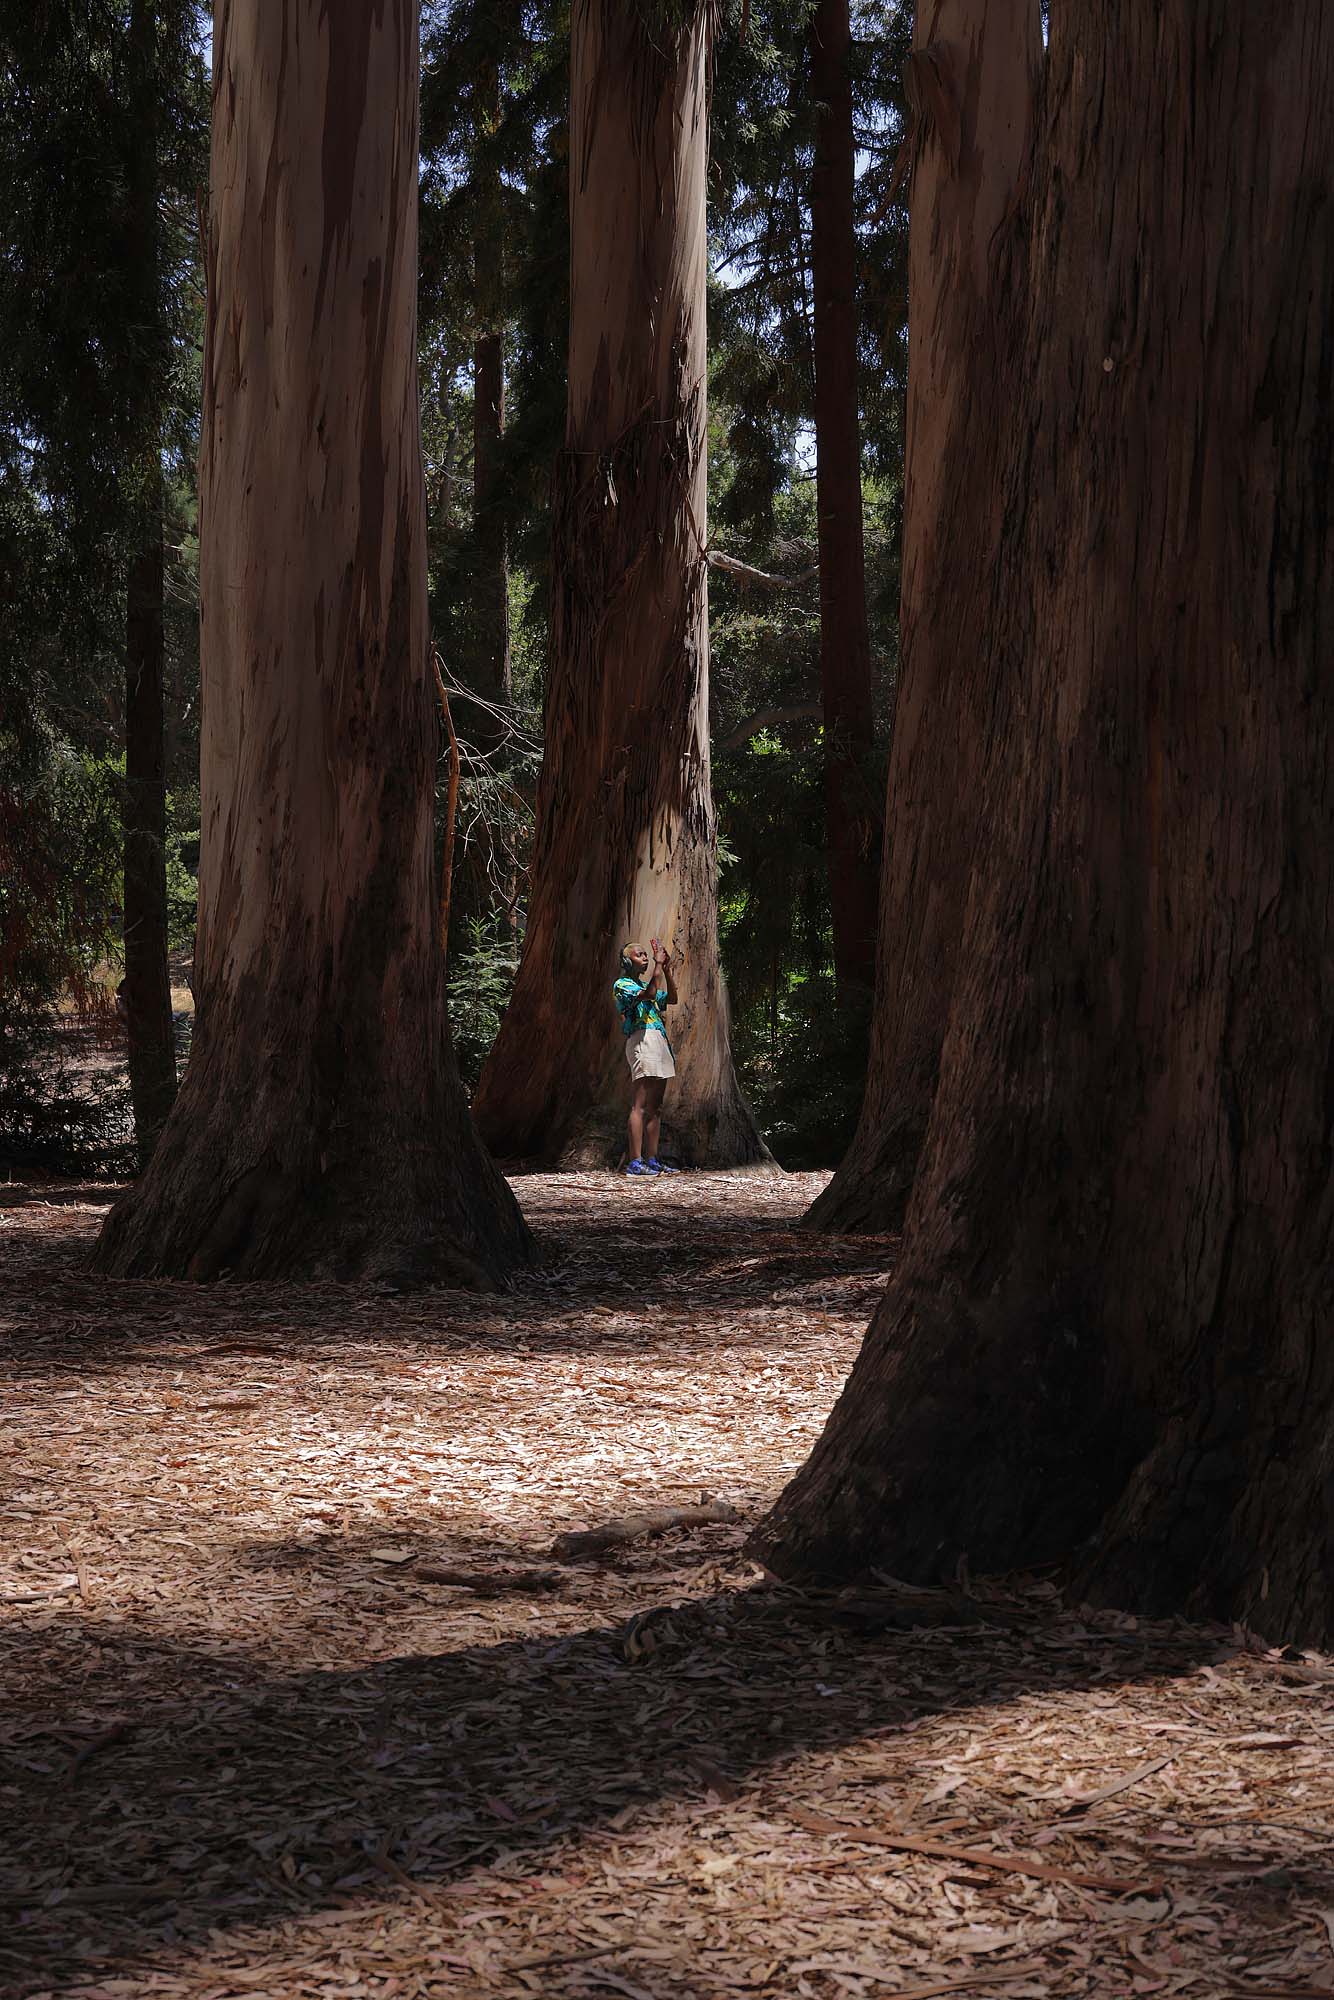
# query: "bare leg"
[[638, 1105], [653, 1124]]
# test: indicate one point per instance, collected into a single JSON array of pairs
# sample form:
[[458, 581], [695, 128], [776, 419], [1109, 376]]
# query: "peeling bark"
[[972, 76], [321, 1128], [1107, 1342], [625, 837]]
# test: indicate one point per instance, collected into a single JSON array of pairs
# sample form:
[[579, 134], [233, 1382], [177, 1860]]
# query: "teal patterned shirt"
[[639, 1008]]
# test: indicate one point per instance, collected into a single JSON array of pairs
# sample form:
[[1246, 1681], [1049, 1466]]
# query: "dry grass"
[[248, 1749]]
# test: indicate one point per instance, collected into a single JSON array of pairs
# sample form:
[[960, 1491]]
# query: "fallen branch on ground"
[[635, 1527], [971, 1857], [489, 1583]]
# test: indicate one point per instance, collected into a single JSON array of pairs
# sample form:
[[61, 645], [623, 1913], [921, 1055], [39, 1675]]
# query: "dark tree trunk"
[[490, 670], [1107, 1341], [321, 1128], [971, 79], [491, 664], [625, 843], [147, 988], [846, 687]]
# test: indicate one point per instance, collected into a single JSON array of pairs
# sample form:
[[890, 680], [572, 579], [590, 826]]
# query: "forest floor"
[[250, 1747]]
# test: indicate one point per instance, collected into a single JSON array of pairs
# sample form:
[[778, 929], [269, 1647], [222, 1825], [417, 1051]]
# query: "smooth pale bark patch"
[[625, 840]]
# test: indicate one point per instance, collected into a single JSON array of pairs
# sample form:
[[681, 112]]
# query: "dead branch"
[[768, 718], [747, 573], [490, 1583], [635, 1527]]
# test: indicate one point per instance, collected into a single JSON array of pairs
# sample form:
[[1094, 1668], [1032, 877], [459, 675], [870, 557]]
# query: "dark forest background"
[[100, 332]]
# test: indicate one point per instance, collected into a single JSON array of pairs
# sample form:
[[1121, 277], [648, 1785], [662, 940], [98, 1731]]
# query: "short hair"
[[626, 950]]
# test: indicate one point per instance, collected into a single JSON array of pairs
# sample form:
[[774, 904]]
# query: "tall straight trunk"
[[321, 1127], [971, 78], [1108, 1337], [149, 1031], [625, 843], [490, 668], [147, 988], [490, 673], [846, 686]]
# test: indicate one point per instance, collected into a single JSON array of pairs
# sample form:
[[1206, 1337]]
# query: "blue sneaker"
[[657, 1167], [638, 1167]]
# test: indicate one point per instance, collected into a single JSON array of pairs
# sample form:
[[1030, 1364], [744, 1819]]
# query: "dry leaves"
[[299, 1704]]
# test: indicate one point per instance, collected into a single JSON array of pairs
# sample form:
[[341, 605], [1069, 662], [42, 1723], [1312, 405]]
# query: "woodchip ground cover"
[[250, 1746]]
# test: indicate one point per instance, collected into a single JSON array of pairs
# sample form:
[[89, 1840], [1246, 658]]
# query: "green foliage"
[[99, 396], [480, 978]]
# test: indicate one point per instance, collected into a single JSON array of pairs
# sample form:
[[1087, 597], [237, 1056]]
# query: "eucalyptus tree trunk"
[[490, 667], [1107, 1340], [852, 834], [971, 80], [146, 993], [625, 839], [321, 1128]]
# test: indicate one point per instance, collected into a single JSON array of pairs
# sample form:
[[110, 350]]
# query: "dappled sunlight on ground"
[[249, 1746]]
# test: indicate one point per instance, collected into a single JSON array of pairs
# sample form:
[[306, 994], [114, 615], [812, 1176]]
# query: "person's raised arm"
[[664, 966]]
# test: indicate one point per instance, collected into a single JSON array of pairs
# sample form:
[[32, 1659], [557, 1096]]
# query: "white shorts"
[[649, 1054]]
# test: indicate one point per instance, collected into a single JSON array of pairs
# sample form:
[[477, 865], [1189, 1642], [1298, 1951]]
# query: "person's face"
[[639, 960]]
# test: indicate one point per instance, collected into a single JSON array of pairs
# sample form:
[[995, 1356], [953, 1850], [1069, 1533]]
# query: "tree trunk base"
[[397, 1211], [708, 1139], [1000, 1437], [868, 1196]]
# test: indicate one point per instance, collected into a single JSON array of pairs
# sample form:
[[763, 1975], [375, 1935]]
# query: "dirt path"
[[246, 1747]]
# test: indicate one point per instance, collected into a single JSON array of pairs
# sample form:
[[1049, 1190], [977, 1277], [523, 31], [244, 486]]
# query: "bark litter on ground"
[[250, 1746]]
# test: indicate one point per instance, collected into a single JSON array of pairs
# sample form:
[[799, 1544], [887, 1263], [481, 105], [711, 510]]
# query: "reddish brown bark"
[[625, 838], [146, 993], [971, 79], [321, 1127], [846, 683], [489, 670], [1107, 1340]]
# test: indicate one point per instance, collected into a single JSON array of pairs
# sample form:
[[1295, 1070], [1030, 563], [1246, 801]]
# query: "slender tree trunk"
[[321, 1127], [1108, 1337], [147, 989], [971, 79], [625, 844], [846, 686], [491, 665]]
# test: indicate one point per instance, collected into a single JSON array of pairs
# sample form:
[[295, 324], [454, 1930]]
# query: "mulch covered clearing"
[[250, 1747]]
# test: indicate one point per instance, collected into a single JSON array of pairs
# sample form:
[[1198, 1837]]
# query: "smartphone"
[[654, 946]]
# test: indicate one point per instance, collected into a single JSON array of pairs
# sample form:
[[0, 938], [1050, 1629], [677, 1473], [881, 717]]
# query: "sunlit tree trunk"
[[852, 831], [147, 990], [1107, 1341], [971, 79], [321, 1128], [625, 845]]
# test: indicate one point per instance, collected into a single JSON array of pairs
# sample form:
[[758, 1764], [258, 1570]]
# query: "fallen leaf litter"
[[301, 1702]]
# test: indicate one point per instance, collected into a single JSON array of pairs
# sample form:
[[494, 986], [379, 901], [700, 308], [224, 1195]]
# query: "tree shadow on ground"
[[734, 1283], [232, 1795]]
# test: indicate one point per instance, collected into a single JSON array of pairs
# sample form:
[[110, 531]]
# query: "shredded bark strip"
[[298, 1702]]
